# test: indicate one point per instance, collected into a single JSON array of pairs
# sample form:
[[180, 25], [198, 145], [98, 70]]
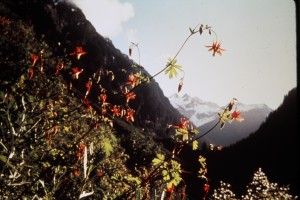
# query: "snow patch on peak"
[[198, 111], [244, 108]]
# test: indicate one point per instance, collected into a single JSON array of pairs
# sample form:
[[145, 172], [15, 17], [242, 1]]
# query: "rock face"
[[64, 26]]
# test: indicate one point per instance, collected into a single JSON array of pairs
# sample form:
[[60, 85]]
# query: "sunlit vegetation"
[[59, 143]]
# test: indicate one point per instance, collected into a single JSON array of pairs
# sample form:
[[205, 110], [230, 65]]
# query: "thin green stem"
[[173, 57], [207, 132]]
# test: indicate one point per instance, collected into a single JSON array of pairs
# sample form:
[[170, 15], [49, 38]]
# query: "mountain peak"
[[246, 107], [198, 111], [203, 114], [186, 97]]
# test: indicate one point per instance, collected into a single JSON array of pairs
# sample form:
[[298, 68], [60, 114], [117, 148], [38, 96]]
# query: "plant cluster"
[[56, 143], [259, 188], [53, 143]]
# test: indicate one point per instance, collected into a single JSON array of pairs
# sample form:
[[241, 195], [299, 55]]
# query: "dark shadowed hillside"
[[56, 107], [64, 26], [274, 148]]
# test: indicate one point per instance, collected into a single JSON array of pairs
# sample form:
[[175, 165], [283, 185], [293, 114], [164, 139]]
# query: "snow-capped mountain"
[[204, 114], [199, 112]]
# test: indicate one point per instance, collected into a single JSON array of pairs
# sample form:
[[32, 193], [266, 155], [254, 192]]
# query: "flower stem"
[[173, 57]]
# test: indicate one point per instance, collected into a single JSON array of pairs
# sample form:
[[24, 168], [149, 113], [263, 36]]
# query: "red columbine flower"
[[31, 73], [216, 48], [55, 115], [206, 189], [76, 72], [78, 52], [170, 191], [130, 95], [183, 124], [76, 172], [103, 111], [58, 68], [87, 104], [100, 173], [103, 98], [88, 86], [132, 80], [48, 135], [81, 147], [116, 110], [80, 153], [129, 115], [34, 59], [236, 116], [55, 129]]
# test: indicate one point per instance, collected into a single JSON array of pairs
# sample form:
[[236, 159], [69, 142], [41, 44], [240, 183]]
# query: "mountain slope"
[[204, 115], [59, 137], [64, 26], [274, 148]]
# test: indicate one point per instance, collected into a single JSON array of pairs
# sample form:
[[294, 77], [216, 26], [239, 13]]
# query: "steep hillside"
[[274, 148], [64, 26], [70, 128]]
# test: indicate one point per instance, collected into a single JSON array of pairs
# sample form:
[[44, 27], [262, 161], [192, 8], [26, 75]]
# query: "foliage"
[[53, 144], [259, 188], [59, 143]]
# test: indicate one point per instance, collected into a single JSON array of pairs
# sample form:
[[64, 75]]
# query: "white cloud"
[[107, 16], [131, 35]]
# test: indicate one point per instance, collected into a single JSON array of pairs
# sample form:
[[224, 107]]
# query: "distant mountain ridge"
[[198, 111], [204, 114]]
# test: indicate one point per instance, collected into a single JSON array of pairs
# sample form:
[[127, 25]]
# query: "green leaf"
[[183, 131], [160, 158], [5, 161], [166, 175], [172, 69], [195, 145], [107, 148], [169, 184], [185, 137], [156, 161], [195, 131], [202, 161], [133, 179], [172, 72]]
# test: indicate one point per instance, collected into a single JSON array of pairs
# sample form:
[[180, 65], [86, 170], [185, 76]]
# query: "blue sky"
[[259, 37]]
